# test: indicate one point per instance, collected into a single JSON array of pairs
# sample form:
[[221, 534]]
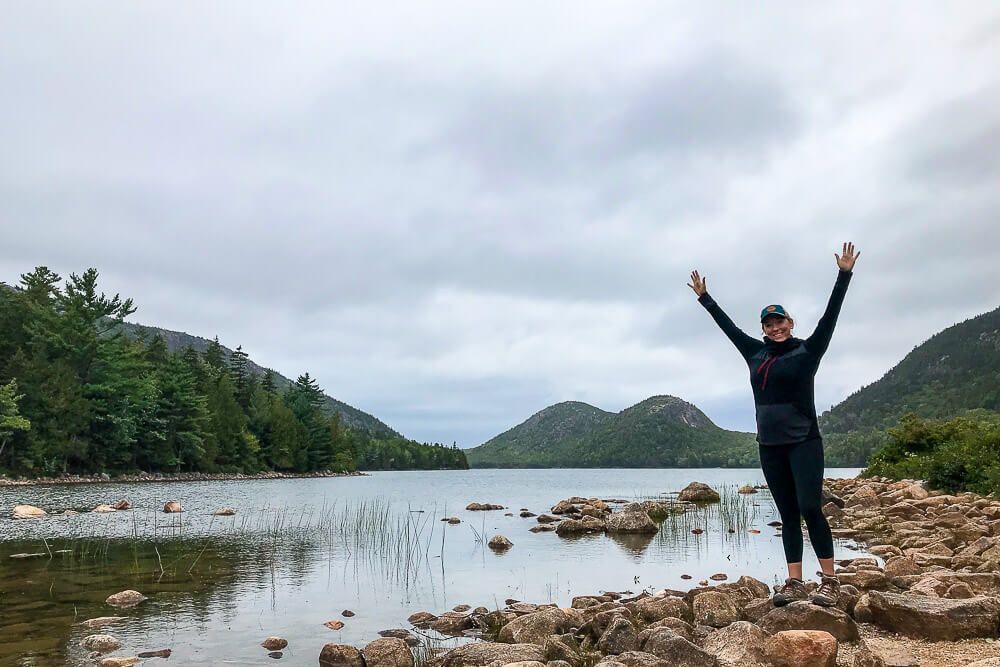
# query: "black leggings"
[[794, 474]]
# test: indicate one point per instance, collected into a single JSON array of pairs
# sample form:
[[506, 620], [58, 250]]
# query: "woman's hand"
[[698, 283], [846, 261]]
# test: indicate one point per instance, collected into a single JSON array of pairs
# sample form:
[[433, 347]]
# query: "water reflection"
[[299, 552]]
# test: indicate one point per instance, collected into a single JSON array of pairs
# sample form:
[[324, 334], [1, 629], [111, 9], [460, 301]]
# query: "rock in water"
[[121, 662], [500, 543], [224, 511], [340, 655], [335, 625], [125, 599], [100, 643], [273, 643], [101, 509], [631, 522], [159, 653], [387, 652], [27, 512], [122, 504], [747, 489], [698, 492], [101, 621], [172, 507]]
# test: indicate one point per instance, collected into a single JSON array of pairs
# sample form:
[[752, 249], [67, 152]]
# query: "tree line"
[[78, 396]]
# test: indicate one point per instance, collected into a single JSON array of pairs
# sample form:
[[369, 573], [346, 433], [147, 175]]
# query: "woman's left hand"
[[847, 259]]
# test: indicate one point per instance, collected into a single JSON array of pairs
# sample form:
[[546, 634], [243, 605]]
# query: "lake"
[[298, 552]]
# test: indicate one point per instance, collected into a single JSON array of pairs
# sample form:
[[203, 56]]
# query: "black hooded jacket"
[[782, 374]]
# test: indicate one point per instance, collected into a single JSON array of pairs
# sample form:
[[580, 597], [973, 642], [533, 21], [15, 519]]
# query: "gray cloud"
[[454, 218]]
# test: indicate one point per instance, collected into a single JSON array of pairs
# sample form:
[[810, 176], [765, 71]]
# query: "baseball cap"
[[773, 309]]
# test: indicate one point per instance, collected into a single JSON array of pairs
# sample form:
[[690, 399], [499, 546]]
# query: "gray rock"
[[808, 616], [675, 625], [100, 643], [936, 619], [698, 492], [587, 524], [274, 643], [741, 644], [499, 543], [657, 608], [488, 653], [340, 655], [631, 522], [387, 652], [125, 599], [452, 623], [714, 609], [620, 637], [535, 628], [563, 648]]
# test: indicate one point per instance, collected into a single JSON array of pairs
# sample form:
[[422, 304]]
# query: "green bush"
[[960, 454]]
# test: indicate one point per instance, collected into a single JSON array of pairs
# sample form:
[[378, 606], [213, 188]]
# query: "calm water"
[[299, 552]]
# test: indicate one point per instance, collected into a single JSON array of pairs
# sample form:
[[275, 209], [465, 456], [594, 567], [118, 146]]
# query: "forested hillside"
[[78, 395], [954, 372], [661, 431]]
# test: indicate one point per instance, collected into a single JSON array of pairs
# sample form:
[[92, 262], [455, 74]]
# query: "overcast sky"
[[456, 214]]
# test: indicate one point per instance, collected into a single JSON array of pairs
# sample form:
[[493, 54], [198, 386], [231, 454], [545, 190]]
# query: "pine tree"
[[214, 356], [239, 375], [10, 419]]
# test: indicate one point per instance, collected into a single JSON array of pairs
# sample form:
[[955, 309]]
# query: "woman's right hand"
[[697, 283]]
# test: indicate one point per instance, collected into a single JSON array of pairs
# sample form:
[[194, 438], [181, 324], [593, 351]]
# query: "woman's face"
[[777, 328]]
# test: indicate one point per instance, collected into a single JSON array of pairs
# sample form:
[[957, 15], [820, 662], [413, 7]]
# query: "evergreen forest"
[[79, 396]]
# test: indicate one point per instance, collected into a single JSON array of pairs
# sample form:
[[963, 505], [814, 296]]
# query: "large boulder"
[[387, 652], [172, 507], [741, 644], [27, 512], [100, 643], [274, 643], [489, 653], [714, 609], [125, 599], [631, 522], [340, 655], [536, 627], [563, 648], [675, 625], [935, 619], [794, 648], [421, 619], [587, 524], [621, 636], [499, 543], [805, 615], [667, 606], [673, 651], [452, 623], [698, 492]]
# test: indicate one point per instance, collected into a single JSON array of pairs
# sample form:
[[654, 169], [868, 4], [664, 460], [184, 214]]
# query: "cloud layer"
[[454, 215]]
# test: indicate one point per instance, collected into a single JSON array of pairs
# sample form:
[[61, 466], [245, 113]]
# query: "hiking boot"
[[828, 592], [792, 590]]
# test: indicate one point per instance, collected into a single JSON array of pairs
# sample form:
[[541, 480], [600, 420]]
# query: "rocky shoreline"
[[104, 478]]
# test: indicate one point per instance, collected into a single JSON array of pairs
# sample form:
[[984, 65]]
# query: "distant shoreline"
[[133, 478]]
